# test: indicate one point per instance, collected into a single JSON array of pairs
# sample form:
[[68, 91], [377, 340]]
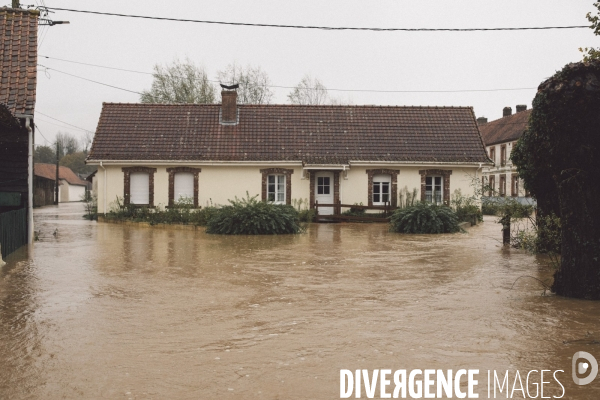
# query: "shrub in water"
[[424, 218], [466, 208], [182, 212], [357, 212], [305, 214], [252, 217]]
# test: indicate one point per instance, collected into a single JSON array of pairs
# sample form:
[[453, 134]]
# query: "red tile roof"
[[48, 171], [311, 134], [505, 129], [18, 59]]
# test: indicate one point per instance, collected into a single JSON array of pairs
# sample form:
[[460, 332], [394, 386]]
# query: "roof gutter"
[[415, 163], [203, 162], [336, 167], [294, 163]]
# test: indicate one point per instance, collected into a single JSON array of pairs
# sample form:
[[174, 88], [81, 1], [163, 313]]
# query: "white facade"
[[218, 183], [68, 192], [502, 177]]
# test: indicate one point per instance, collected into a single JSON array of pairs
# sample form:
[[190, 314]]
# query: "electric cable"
[[329, 28]]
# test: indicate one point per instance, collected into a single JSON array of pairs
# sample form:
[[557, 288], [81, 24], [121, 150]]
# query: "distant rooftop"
[[48, 171], [505, 129]]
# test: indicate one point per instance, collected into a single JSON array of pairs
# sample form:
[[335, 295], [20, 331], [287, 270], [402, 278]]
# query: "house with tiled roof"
[[70, 188], [18, 64], [154, 154], [500, 137]]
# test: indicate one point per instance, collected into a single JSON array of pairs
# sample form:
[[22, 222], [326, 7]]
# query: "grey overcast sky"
[[403, 61]]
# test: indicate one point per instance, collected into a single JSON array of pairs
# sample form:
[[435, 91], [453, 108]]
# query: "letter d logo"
[[583, 367]]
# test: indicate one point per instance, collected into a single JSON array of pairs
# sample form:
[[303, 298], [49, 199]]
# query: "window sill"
[[139, 206]]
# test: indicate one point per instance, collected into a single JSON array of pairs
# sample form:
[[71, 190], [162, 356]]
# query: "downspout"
[[104, 187], [477, 178], [341, 179], [29, 181]]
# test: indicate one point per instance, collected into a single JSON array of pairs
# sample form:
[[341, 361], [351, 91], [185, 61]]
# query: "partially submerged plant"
[[90, 205], [424, 218], [355, 211], [305, 213], [466, 208], [407, 198], [248, 216]]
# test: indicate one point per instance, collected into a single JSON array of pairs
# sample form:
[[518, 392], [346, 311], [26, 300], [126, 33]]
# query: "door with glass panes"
[[324, 191]]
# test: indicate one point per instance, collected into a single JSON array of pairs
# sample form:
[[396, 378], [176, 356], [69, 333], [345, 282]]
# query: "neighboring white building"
[[153, 154], [500, 137], [70, 188]]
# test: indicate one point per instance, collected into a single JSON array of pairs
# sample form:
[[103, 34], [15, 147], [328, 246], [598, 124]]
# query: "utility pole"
[[56, 187], [15, 4]]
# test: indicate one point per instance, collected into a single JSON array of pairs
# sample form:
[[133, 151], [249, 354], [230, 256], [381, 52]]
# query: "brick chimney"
[[481, 121], [521, 107], [507, 111], [229, 107]]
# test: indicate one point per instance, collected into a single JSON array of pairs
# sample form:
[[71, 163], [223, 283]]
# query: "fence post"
[[505, 221], [316, 210]]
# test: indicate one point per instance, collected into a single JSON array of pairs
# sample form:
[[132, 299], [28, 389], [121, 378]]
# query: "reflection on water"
[[112, 311]]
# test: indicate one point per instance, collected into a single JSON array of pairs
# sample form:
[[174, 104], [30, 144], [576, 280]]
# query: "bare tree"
[[67, 143], [254, 83], [179, 82], [340, 101], [309, 91], [86, 141]]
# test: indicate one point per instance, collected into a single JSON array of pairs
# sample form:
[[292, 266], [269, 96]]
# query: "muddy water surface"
[[112, 311]]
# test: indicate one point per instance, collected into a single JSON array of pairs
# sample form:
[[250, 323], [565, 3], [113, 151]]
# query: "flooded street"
[[112, 311]]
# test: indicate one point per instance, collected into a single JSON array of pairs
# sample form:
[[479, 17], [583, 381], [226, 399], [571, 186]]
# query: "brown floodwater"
[[112, 311]]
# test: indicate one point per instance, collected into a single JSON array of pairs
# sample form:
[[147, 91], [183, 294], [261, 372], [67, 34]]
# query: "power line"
[[411, 91], [46, 121], [288, 87], [37, 129], [66, 123], [95, 65], [90, 80], [328, 28]]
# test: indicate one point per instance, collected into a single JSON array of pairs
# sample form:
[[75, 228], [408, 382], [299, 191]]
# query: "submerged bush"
[[252, 217], [505, 206], [305, 213], [355, 211], [182, 212], [489, 208], [466, 208], [424, 218]]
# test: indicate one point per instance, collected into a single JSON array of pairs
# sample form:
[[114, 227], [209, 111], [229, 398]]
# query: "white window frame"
[[323, 185], [381, 184], [276, 188], [435, 193]]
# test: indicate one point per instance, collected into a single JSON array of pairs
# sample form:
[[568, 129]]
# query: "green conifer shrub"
[[252, 217], [424, 218]]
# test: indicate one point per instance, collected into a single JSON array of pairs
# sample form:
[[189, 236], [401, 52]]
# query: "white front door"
[[324, 191]]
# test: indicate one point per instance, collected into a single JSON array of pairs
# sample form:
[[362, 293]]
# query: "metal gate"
[[13, 230]]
